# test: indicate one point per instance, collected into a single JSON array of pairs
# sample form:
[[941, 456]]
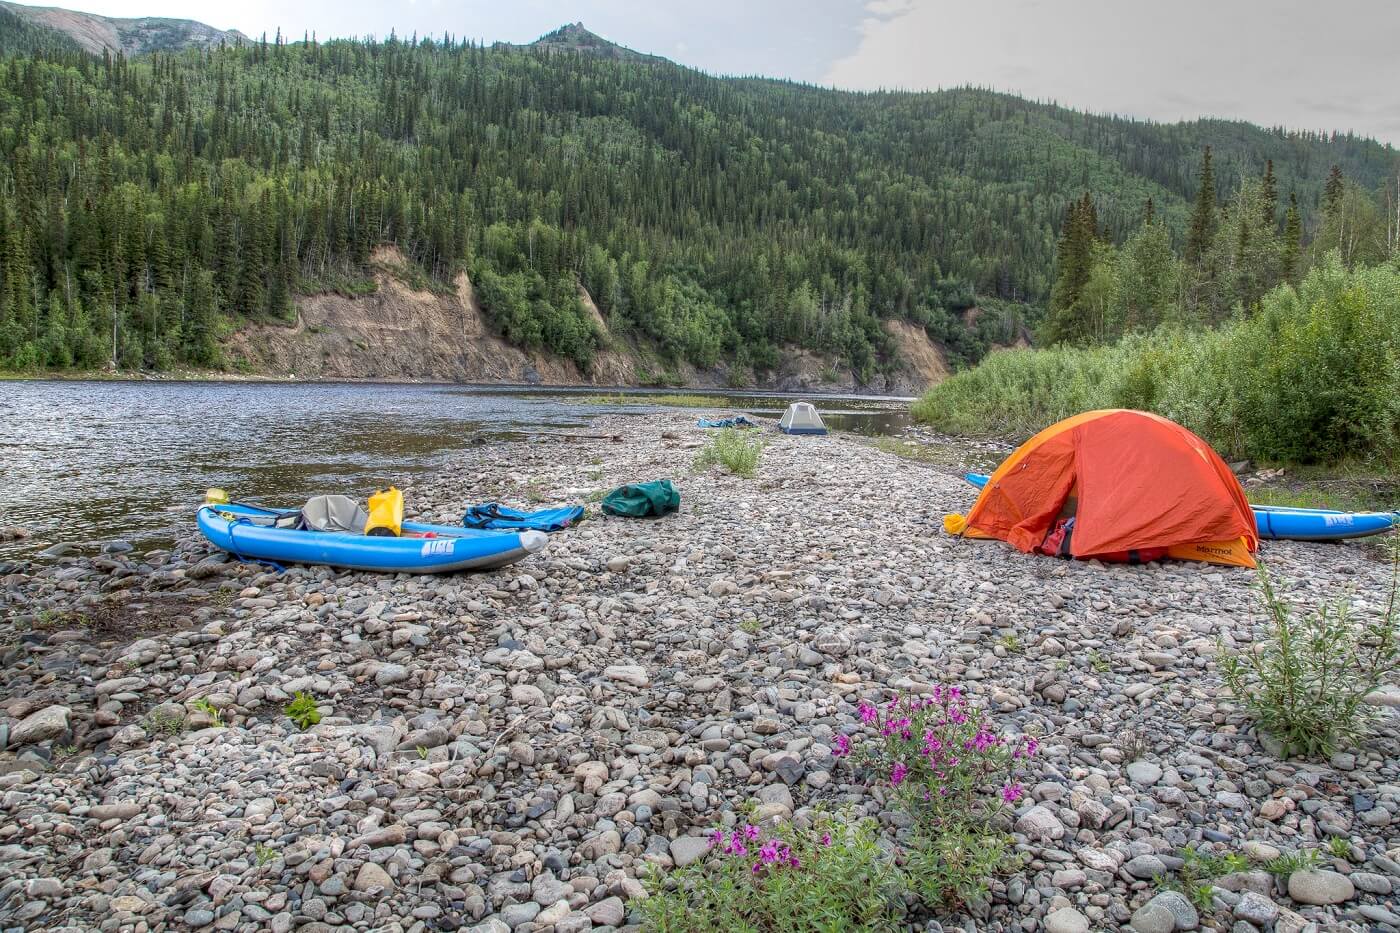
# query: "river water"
[[83, 462]]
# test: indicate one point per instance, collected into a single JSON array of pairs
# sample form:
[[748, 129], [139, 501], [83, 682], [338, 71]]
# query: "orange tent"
[[1136, 484]]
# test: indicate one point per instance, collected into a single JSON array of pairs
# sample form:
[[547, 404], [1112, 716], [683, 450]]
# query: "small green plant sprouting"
[[1306, 684], [732, 450], [423, 752], [751, 625], [1100, 662], [1289, 862], [1339, 847], [1198, 870], [1010, 643], [165, 723], [265, 854], [302, 711], [209, 709]]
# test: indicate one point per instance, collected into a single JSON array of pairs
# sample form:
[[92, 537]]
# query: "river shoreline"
[[510, 751], [188, 376]]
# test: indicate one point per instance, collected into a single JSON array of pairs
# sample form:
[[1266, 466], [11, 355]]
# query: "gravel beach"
[[510, 751]]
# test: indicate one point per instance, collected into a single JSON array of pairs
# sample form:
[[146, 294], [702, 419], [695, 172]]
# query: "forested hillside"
[[152, 203]]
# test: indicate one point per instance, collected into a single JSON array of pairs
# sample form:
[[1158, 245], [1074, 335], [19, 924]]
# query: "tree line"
[[1232, 254], [150, 205]]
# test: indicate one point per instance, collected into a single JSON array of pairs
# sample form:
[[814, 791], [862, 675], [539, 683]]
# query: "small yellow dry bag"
[[385, 513]]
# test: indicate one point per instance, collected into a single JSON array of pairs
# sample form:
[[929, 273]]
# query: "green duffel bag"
[[638, 500]]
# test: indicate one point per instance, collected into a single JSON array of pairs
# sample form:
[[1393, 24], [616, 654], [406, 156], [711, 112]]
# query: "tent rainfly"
[[801, 418], [1119, 486]]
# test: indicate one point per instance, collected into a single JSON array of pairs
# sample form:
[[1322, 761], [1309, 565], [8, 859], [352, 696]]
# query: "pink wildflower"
[[868, 713], [898, 773], [1012, 793], [826, 839], [750, 831], [842, 746], [716, 838]]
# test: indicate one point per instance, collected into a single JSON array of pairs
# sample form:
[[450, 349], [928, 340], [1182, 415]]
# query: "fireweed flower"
[[750, 831], [868, 713], [826, 839], [716, 838], [769, 852], [842, 746], [1011, 793], [898, 773]]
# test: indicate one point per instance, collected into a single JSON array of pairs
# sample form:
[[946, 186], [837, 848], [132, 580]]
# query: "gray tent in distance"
[[801, 418]]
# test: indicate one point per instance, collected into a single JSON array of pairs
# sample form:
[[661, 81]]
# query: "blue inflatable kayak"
[[233, 528], [1276, 521]]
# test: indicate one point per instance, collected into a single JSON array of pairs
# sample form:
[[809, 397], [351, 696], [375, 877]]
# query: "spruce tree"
[[1268, 194], [1332, 191], [1292, 251], [1201, 234]]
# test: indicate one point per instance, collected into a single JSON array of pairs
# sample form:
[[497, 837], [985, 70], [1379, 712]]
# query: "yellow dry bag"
[[385, 513]]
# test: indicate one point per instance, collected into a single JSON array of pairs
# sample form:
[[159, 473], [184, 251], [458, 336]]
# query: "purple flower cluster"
[[772, 852], [940, 750]]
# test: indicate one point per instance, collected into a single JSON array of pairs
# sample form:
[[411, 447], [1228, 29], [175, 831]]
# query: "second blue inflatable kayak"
[[422, 549], [1274, 521]]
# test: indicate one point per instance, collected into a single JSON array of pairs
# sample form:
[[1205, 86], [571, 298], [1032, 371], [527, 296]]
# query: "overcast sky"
[[1297, 63]]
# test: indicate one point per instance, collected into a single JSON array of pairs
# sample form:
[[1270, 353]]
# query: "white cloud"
[[1295, 63]]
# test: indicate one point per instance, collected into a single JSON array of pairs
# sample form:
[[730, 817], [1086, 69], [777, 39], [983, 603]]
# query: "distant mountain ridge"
[[93, 33], [574, 37]]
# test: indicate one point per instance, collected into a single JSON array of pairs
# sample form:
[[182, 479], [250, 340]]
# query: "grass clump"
[[1305, 685], [730, 449], [302, 711], [1289, 862], [1198, 870], [205, 706]]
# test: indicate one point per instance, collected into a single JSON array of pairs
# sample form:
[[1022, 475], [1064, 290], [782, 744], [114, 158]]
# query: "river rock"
[[1066, 920], [48, 723], [1320, 886]]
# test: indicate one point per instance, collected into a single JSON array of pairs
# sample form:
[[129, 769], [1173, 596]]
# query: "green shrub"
[[302, 711], [941, 759], [836, 876], [732, 450], [1312, 377], [1306, 684]]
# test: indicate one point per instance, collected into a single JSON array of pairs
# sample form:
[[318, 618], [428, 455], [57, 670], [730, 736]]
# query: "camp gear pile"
[[495, 516], [641, 500]]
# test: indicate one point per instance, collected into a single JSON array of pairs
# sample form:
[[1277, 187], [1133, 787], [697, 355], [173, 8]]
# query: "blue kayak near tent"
[[1278, 522], [235, 528]]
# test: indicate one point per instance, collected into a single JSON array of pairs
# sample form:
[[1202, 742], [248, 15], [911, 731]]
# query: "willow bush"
[[1312, 377]]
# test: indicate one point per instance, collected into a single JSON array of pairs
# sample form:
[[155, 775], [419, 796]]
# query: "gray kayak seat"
[[334, 513]]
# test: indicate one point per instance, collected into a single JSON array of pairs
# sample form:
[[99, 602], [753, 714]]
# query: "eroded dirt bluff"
[[399, 332]]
